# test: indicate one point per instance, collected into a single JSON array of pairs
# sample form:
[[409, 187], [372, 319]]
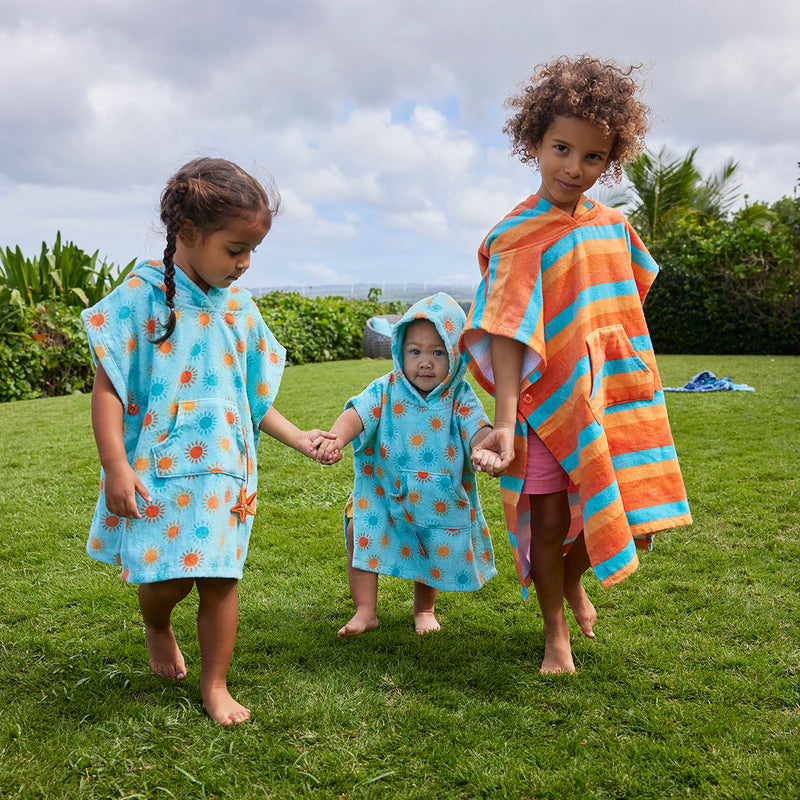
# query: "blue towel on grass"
[[708, 382]]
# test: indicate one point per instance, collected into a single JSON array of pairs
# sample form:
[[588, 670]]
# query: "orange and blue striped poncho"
[[571, 288]]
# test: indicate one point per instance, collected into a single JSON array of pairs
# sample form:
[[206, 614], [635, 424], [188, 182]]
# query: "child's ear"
[[534, 149], [188, 233]]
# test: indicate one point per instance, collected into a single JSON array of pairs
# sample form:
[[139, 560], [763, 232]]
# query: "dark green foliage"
[[729, 286], [67, 275], [315, 329], [43, 349]]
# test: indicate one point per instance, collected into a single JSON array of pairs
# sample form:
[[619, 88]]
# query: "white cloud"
[[381, 122]]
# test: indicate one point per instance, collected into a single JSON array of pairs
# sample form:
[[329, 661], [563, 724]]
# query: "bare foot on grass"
[[361, 622], [584, 612], [426, 622], [221, 707], [166, 658], [557, 650]]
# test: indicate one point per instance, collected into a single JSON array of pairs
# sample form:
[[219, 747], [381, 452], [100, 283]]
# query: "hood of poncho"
[[187, 292], [449, 319]]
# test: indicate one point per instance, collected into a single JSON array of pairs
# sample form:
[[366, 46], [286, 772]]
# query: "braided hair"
[[207, 193]]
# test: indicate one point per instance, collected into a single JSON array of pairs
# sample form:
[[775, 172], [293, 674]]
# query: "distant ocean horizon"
[[407, 293]]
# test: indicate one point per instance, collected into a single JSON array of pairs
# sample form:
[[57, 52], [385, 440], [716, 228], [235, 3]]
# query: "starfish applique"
[[246, 505]]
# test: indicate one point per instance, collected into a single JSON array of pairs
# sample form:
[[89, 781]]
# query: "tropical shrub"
[[67, 275], [43, 349]]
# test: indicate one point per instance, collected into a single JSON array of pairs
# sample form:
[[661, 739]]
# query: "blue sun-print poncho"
[[191, 409], [415, 505]]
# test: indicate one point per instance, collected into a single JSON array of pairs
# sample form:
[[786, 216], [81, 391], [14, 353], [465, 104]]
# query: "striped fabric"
[[571, 289]]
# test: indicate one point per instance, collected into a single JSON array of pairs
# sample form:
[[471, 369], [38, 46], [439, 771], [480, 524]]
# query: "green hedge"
[[729, 286], [44, 350], [314, 329]]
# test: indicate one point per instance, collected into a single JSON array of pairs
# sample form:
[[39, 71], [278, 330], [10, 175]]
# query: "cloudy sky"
[[379, 120]]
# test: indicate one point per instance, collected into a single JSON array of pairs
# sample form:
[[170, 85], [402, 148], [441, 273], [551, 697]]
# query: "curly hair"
[[208, 193], [589, 89]]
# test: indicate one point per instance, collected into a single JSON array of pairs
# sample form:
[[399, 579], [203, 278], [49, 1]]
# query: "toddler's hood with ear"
[[449, 319]]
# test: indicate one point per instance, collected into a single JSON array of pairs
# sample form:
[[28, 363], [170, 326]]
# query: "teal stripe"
[[588, 435], [592, 294], [658, 400], [638, 458], [639, 343], [512, 483], [600, 501], [644, 260], [560, 395], [637, 516], [578, 236], [614, 564]]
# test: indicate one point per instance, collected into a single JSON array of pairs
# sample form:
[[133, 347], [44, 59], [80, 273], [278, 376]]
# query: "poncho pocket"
[[433, 500], [618, 374], [206, 437]]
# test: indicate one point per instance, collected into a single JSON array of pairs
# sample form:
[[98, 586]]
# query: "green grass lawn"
[[689, 690]]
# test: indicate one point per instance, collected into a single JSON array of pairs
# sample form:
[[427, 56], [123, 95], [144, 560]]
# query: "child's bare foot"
[[582, 609], [166, 658], [426, 622], [557, 650], [361, 622], [221, 707]]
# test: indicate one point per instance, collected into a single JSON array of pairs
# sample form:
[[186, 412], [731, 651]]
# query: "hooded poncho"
[[415, 506], [571, 288], [191, 410]]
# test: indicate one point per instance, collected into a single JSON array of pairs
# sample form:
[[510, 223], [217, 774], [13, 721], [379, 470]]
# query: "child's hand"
[[121, 485], [310, 441], [329, 451], [495, 452]]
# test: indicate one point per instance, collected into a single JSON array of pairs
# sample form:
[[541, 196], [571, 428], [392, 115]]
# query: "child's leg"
[[550, 519], [424, 599], [156, 600], [576, 562], [217, 620], [364, 591]]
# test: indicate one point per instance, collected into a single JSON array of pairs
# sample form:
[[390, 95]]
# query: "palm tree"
[[669, 187]]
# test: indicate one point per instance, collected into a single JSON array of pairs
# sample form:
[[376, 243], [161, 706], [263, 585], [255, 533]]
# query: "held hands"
[[121, 485], [329, 451], [494, 453], [309, 442]]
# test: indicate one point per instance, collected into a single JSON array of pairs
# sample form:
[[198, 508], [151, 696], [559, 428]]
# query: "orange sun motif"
[[246, 504], [196, 451], [441, 507], [191, 560], [154, 512]]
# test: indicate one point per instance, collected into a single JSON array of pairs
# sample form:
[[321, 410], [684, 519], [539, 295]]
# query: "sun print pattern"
[[192, 405]]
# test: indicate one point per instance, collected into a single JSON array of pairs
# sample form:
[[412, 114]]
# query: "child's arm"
[[506, 365], [122, 484], [278, 427], [344, 430]]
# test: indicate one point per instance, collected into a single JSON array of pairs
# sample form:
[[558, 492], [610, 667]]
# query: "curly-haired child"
[[557, 334]]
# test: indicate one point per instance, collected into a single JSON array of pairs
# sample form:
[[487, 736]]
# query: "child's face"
[[425, 361], [218, 259], [572, 155]]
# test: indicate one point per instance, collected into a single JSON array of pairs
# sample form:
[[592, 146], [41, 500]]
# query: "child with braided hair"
[[177, 408]]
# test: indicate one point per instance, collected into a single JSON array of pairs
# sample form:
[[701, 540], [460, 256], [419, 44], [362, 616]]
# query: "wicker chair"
[[374, 343]]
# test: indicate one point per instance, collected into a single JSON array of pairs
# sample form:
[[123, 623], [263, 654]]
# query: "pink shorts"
[[543, 473]]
